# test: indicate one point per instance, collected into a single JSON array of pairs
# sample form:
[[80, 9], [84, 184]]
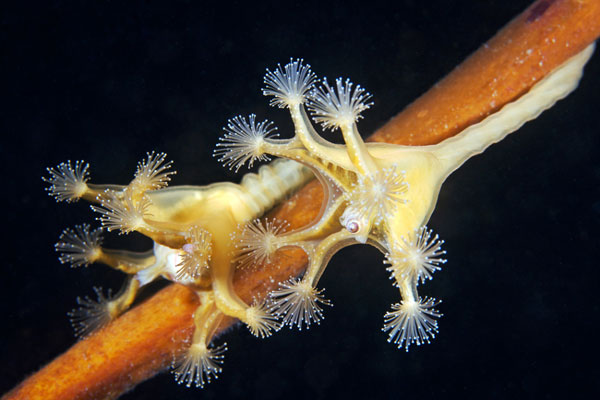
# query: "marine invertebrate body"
[[132, 349], [192, 232], [379, 194]]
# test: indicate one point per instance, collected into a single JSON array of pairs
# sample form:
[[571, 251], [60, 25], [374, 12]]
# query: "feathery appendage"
[[290, 84], [152, 173], [197, 254], [296, 302], [258, 242], [260, 321], [416, 257], [121, 214], [199, 365], [92, 314], [412, 322], [244, 141], [79, 246], [67, 183], [339, 106]]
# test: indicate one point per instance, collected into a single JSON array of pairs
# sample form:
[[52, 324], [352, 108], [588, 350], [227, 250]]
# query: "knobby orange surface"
[[142, 342]]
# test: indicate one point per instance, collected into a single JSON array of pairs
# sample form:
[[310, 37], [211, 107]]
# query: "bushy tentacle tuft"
[[79, 246], [92, 314], [290, 84], [199, 365], [297, 303], [67, 183], [258, 242], [412, 322], [335, 107], [243, 142], [416, 257]]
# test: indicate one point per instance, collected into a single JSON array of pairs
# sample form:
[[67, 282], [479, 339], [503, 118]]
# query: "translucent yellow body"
[[192, 229], [380, 194]]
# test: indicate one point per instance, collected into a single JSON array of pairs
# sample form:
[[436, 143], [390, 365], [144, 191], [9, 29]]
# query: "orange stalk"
[[141, 343]]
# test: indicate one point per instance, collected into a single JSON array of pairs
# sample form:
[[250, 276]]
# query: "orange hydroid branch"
[[522, 53], [142, 342]]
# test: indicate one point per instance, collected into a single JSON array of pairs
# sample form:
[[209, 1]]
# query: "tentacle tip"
[[79, 246], [260, 321], [416, 256], [197, 252], [122, 213], [244, 142], [152, 173], [289, 84], [258, 241], [92, 315], [199, 366], [340, 106], [412, 322], [297, 303], [67, 182]]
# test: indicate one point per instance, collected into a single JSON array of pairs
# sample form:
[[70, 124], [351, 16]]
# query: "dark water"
[[106, 82]]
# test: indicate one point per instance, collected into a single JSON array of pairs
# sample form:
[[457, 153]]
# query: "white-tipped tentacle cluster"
[[152, 173], [196, 255], [260, 321], [412, 322], [200, 365], [121, 213], [378, 195], [91, 314], [244, 142], [296, 302], [79, 246], [258, 241], [416, 257], [340, 106], [290, 84], [68, 183]]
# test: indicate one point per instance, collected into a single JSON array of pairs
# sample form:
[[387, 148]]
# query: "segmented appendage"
[[416, 257], [79, 246], [67, 183], [121, 214], [197, 254], [92, 314], [289, 85], [297, 303], [260, 321], [244, 142], [200, 365], [378, 195], [258, 242], [152, 173], [412, 322], [333, 108]]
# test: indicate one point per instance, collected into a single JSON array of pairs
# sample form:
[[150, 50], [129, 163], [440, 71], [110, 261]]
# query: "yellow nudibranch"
[[375, 193], [191, 228]]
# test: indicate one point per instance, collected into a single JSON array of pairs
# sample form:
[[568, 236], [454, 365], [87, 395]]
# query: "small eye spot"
[[352, 227]]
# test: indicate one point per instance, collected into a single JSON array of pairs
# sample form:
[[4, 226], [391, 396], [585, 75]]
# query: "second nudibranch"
[[192, 229], [375, 193]]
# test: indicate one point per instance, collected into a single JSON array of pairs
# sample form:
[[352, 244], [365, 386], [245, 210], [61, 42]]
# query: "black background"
[[108, 81]]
